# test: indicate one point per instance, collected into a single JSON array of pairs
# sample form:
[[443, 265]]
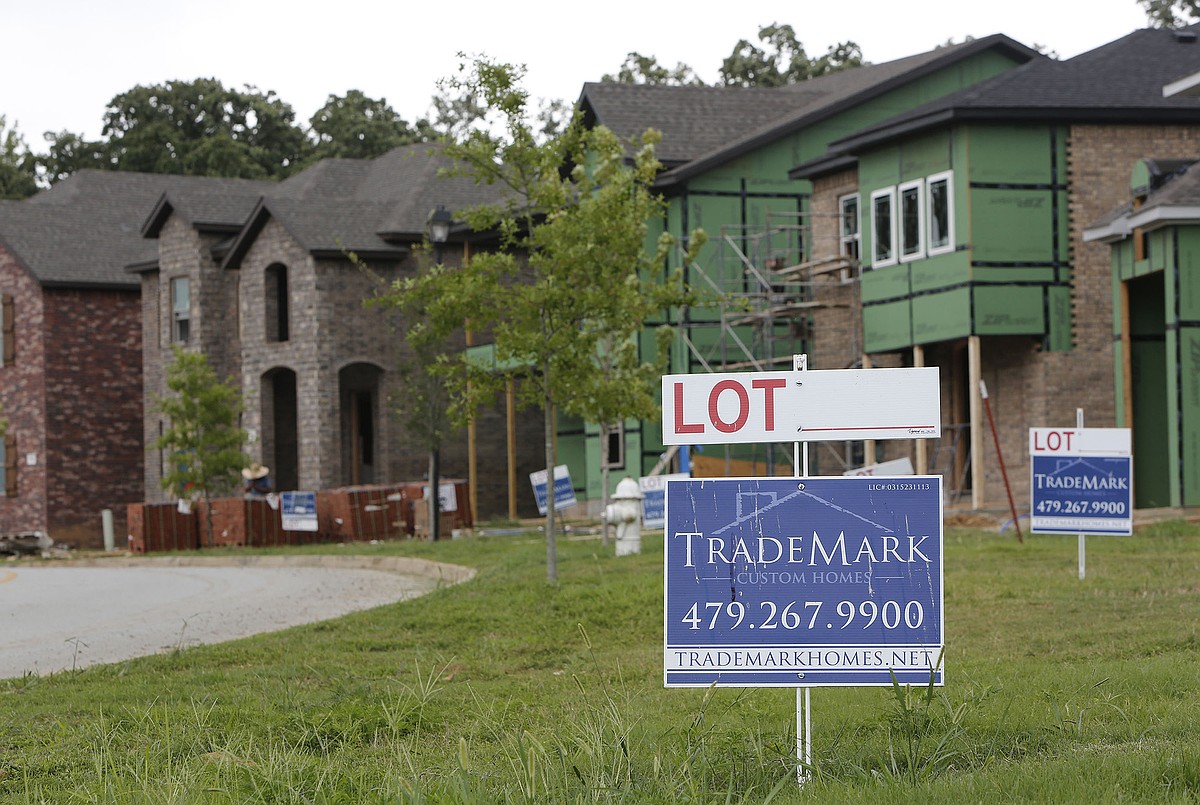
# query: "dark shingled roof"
[[1174, 196], [693, 120], [1120, 82], [373, 207], [705, 126], [84, 231]]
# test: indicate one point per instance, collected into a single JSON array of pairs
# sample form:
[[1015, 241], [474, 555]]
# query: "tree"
[[201, 433], [355, 126], [639, 69], [17, 165], [68, 153], [455, 112], [1171, 13], [565, 297], [200, 128], [784, 62]]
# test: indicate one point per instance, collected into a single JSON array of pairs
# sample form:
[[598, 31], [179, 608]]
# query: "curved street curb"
[[437, 571]]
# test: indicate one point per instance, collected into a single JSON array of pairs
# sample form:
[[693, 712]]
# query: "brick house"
[[971, 237], [259, 280], [70, 369]]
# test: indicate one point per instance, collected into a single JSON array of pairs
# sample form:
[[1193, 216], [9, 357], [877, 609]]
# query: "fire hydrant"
[[625, 513]]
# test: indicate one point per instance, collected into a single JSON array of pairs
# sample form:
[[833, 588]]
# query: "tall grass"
[[507, 690]]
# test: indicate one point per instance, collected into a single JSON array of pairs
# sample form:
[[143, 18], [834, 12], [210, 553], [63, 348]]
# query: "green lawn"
[[505, 689]]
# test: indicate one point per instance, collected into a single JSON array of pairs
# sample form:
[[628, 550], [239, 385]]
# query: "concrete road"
[[57, 616]]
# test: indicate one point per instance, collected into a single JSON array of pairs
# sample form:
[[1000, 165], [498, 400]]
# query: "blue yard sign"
[[793, 582], [564, 492], [299, 511], [1081, 481], [654, 498]]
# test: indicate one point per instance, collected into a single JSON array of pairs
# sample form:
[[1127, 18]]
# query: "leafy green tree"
[[1171, 13], [201, 435], [17, 165], [567, 295], [68, 153], [639, 69], [782, 60], [455, 111], [200, 128], [356, 126]]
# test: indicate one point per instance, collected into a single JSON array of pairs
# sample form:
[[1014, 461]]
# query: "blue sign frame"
[[797, 582], [1074, 494]]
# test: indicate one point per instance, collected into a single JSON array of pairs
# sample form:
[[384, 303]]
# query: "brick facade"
[[71, 399], [22, 400], [337, 348]]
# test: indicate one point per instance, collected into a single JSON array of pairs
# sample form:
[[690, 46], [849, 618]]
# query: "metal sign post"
[[1082, 537], [803, 698]]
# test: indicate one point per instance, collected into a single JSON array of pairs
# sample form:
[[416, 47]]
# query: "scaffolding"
[[770, 292], [772, 296]]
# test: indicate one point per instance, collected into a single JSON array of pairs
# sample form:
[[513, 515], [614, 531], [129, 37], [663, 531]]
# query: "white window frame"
[[176, 316], [616, 432], [855, 238], [930, 181], [915, 189], [890, 260]]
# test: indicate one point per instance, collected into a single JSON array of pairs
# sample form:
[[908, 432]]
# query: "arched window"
[[280, 427], [275, 299]]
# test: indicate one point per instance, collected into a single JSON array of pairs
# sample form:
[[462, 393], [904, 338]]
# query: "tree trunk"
[[435, 471], [208, 516], [548, 434], [604, 430]]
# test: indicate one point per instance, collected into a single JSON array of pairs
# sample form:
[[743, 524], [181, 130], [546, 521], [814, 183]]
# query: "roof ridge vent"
[[1186, 36]]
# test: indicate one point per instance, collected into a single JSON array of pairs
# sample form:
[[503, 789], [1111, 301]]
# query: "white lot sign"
[[811, 406]]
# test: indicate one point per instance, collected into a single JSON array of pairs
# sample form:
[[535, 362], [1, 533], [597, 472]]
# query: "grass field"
[[505, 689]]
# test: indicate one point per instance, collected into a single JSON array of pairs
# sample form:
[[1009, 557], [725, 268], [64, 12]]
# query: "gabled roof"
[[376, 207], [215, 206], [82, 232], [1174, 200], [1120, 82], [706, 126]]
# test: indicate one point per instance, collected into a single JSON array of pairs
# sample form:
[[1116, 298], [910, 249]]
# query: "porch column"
[[922, 452], [974, 375]]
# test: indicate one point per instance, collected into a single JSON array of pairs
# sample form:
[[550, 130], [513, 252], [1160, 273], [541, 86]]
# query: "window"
[[8, 331], [883, 227], [848, 234], [181, 310], [8, 465], [275, 297], [614, 449], [940, 207], [912, 221]]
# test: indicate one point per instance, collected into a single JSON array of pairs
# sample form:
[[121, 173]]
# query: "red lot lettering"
[[768, 388]]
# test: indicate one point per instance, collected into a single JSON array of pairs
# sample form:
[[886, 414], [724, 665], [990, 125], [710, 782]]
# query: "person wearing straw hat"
[[258, 480]]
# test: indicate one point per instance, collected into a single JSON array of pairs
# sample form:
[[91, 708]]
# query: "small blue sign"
[[1074, 494], [564, 491], [654, 498], [298, 511], [797, 582]]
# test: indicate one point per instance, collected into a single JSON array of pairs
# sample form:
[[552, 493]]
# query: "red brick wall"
[[94, 447], [22, 400]]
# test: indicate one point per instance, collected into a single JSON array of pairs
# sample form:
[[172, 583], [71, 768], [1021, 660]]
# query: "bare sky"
[[62, 61]]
